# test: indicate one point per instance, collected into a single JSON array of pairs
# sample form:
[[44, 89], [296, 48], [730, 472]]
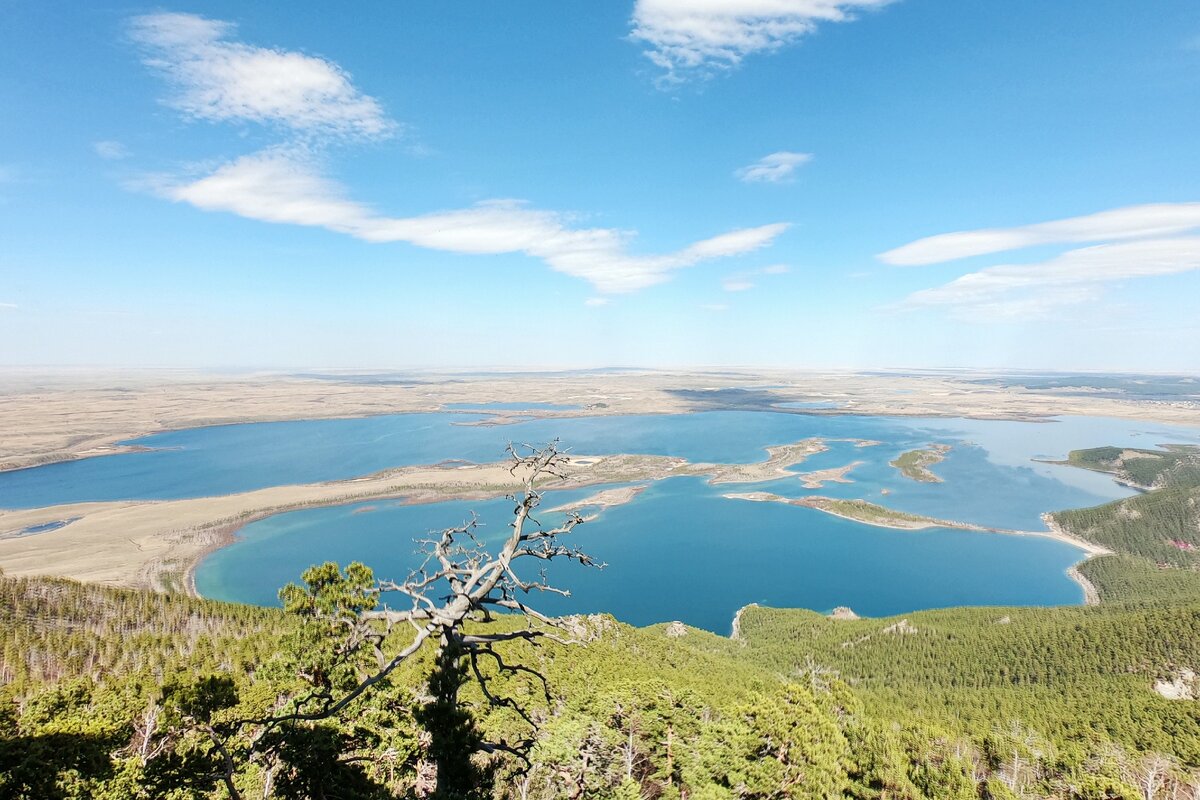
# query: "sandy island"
[[608, 498]]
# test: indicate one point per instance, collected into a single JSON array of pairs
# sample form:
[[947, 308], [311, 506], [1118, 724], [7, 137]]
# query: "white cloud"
[[775, 168], [8, 305], [110, 151], [1077, 276], [715, 307], [596, 301], [282, 185], [776, 269], [736, 285], [698, 36], [1133, 222], [220, 79]]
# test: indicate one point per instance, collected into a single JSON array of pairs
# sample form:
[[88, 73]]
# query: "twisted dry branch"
[[476, 581]]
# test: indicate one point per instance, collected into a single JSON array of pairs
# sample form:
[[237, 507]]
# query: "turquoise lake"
[[680, 550]]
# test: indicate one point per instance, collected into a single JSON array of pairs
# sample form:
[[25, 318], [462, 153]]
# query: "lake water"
[[681, 550]]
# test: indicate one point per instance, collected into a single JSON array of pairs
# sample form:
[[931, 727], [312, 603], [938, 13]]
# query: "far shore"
[[69, 415]]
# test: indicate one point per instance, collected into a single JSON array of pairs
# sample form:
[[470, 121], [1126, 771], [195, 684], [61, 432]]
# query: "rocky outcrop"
[[1183, 685], [676, 629]]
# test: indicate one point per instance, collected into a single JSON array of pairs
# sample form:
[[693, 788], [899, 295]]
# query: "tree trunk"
[[445, 769]]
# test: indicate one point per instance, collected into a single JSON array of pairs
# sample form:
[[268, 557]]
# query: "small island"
[[915, 464], [860, 511]]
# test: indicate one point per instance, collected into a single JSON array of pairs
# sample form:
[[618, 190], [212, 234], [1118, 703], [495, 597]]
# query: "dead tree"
[[448, 602]]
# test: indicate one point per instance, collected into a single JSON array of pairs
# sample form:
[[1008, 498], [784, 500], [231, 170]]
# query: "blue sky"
[[792, 183]]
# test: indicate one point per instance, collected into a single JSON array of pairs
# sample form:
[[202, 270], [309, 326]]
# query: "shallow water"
[[46, 527]]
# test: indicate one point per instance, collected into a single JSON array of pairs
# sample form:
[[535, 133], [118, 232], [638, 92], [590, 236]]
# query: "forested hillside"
[[111, 693], [1148, 469]]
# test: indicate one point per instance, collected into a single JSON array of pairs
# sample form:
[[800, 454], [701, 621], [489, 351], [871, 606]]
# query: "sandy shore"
[[1091, 596], [735, 630], [63, 415], [1057, 533]]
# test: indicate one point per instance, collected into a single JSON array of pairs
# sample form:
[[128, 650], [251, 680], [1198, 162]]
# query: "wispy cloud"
[[8, 306], [1019, 291], [110, 151], [217, 78], [1133, 222], [595, 302], [285, 185], [776, 168], [742, 282], [714, 307], [686, 37]]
